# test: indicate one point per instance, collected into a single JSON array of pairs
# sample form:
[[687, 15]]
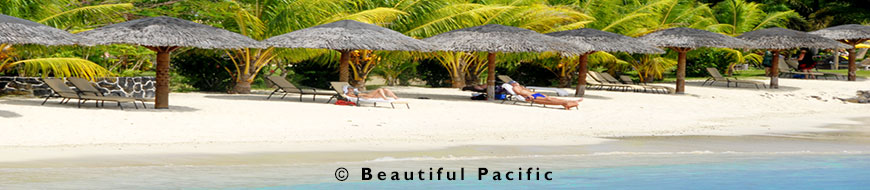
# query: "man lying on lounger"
[[541, 98], [380, 93]]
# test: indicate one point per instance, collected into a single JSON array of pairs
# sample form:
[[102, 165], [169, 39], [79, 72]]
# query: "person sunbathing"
[[541, 98], [380, 93]]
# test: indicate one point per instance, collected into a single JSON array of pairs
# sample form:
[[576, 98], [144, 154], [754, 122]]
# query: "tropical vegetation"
[[261, 19]]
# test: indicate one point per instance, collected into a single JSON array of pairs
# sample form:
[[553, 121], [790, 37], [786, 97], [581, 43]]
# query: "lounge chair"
[[793, 65], [560, 92], [608, 79], [85, 87], [656, 89], [286, 87], [340, 95], [517, 98], [663, 89], [512, 96], [60, 89], [593, 83], [785, 71], [715, 76]]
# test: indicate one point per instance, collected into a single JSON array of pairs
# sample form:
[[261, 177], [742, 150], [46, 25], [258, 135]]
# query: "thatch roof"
[[691, 38], [348, 35], [781, 38], [14, 30], [499, 38], [605, 41], [845, 32], [166, 32]]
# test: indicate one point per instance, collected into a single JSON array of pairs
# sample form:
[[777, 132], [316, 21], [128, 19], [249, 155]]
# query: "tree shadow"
[[72, 104], [8, 114], [742, 86]]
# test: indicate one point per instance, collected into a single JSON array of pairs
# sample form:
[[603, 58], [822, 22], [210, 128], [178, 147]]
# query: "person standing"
[[805, 61]]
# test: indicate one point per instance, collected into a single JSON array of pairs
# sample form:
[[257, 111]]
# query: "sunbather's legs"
[[389, 93], [568, 104]]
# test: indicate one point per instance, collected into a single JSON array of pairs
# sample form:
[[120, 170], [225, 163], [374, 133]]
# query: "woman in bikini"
[[541, 98]]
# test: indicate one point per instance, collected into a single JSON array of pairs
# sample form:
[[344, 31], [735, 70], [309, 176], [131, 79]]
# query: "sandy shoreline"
[[234, 124]]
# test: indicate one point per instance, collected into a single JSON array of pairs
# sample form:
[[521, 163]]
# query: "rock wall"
[[140, 87]]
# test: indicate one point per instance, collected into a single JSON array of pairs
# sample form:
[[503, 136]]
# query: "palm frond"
[[61, 67]]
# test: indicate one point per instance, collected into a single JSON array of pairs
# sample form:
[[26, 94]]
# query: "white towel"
[[510, 89]]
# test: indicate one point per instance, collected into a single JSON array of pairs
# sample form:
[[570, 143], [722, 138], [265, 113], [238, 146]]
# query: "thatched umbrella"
[[164, 35], [684, 39], [852, 34], [347, 36], [495, 38], [778, 39], [14, 30], [600, 41]]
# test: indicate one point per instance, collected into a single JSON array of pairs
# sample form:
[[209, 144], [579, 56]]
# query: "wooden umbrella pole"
[[582, 69], [852, 67], [681, 70], [774, 70], [344, 66], [490, 77]]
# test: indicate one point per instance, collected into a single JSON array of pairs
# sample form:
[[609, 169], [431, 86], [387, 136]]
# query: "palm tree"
[[67, 15]]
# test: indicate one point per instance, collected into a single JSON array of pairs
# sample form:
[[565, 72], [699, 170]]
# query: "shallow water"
[[663, 170], [832, 160]]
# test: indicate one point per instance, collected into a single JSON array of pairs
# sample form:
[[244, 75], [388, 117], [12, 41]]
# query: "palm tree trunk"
[[458, 79], [581, 76], [242, 86]]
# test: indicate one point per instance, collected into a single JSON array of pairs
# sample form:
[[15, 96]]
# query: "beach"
[[203, 123]]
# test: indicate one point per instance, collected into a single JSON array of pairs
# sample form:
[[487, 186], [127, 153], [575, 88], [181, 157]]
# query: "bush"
[[433, 73], [698, 60], [530, 75], [202, 69]]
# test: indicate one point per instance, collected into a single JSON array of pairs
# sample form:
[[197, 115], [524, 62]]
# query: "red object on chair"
[[344, 103]]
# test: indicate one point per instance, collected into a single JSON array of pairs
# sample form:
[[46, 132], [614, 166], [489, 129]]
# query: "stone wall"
[[140, 87]]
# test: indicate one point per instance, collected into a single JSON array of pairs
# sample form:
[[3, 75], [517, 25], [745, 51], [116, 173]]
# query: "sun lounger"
[[593, 83], [656, 89], [715, 76], [85, 87], [512, 96], [607, 79], [340, 95], [785, 71], [284, 86], [59, 88], [559, 92], [663, 89], [793, 65]]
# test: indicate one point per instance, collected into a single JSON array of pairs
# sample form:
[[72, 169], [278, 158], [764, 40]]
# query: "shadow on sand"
[[742, 86], [91, 105], [8, 114]]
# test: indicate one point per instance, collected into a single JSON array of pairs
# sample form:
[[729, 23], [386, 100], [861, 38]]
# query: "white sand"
[[221, 123]]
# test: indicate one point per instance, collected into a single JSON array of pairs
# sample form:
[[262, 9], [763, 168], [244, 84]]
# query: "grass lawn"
[[759, 74]]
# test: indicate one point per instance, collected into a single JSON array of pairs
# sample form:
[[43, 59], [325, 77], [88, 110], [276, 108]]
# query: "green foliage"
[[431, 71], [202, 69], [314, 74], [698, 60]]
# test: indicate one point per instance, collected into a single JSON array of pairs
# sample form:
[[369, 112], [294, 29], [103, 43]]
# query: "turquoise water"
[[765, 172], [669, 170]]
